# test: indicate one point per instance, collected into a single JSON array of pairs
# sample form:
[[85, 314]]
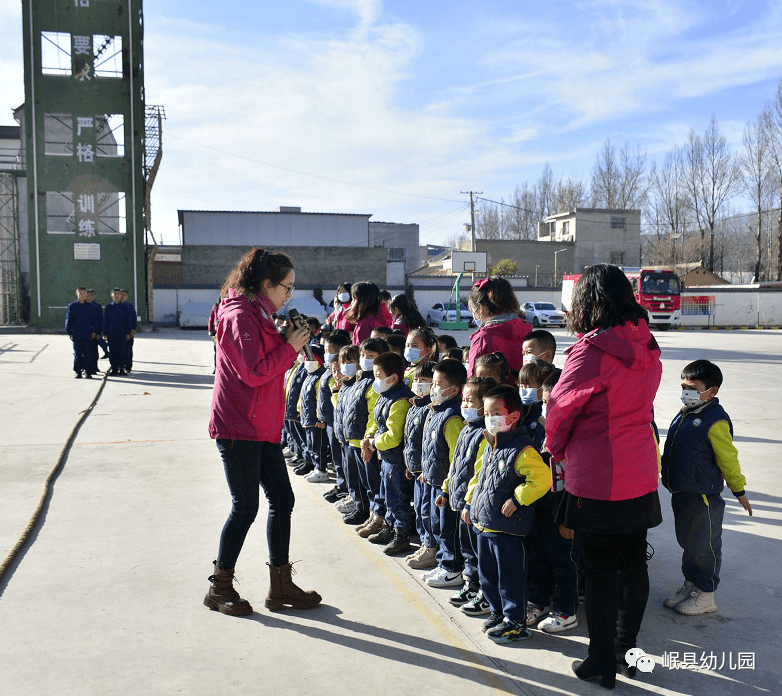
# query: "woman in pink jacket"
[[494, 306], [599, 422], [248, 406]]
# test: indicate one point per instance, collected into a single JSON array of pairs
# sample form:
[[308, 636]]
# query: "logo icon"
[[635, 657]]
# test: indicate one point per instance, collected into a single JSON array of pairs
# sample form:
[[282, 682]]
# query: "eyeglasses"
[[289, 288]]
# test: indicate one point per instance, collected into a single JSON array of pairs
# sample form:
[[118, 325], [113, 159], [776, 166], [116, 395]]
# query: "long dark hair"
[[366, 301], [602, 298], [410, 316], [494, 293], [253, 268]]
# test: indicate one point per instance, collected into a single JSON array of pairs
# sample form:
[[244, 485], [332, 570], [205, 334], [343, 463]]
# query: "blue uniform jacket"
[[309, 398], [395, 455], [436, 453], [414, 433], [80, 321], [463, 466], [116, 320]]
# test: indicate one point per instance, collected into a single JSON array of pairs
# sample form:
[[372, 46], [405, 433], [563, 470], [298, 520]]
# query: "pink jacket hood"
[[248, 401], [599, 415], [504, 333]]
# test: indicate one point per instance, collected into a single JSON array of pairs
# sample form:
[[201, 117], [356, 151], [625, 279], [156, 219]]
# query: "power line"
[[507, 205], [314, 176]]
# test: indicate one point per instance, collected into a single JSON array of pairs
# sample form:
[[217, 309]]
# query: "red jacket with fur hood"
[[248, 401], [599, 415]]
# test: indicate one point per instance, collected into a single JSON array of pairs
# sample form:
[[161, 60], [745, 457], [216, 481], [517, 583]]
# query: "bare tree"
[[670, 207], [605, 178], [544, 188], [618, 182], [569, 194], [712, 177], [772, 123], [488, 221], [521, 216], [755, 162]]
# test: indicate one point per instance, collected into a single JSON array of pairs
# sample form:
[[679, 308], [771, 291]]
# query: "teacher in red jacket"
[[599, 422], [248, 406]]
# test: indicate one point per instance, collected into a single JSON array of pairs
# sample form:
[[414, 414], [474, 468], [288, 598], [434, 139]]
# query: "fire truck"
[[657, 290]]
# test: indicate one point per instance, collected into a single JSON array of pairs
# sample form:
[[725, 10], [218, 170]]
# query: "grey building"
[[598, 235], [538, 261]]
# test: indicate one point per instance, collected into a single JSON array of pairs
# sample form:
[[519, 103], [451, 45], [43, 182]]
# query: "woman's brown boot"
[[284, 594], [223, 597]]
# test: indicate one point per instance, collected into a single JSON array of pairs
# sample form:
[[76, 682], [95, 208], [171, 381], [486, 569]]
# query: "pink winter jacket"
[[504, 333], [363, 328], [248, 401], [599, 415]]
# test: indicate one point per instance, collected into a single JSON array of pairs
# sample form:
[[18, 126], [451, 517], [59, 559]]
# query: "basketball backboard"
[[468, 262]]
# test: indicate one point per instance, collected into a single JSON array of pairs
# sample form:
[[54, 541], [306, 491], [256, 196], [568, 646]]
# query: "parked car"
[[543, 314], [446, 311], [305, 305]]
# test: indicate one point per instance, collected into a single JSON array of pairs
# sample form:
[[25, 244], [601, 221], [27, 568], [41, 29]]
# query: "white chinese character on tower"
[[86, 228], [83, 122], [81, 3], [84, 152], [81, 46], [86, 203]]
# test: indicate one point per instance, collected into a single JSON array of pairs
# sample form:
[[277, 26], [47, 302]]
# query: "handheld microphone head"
[[298, 322]]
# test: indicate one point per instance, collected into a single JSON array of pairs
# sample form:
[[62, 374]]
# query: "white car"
[[308, 306], [543, 314], [446, 311]]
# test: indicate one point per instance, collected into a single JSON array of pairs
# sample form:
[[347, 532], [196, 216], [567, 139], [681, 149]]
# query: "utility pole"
[[472, 214]]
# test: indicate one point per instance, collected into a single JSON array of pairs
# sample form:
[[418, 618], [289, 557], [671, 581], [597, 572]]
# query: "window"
[[566, 228], [617, 258], [618, 223], [110, 208], [110, 135], [58, 134], [108, 55], [60, 213], [55, 53]]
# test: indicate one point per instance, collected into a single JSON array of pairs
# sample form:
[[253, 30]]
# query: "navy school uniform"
[[356, 419], [395, 488], [414, 433], [315, 437], [325, 412], [469, 447], [438, 445], [80, 323], [296, 437], [510, 469], [131, 310], [352, 480]]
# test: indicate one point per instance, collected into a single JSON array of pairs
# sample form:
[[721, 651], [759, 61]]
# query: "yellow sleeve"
[[453, 427], [371, 397], [727, 456], [537, 475], [395, 426], [478, 466]]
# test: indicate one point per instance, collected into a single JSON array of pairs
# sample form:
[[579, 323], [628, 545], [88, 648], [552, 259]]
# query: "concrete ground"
[[107, 598]]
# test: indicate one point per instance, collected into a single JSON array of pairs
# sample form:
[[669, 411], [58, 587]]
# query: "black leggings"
[[248, 465], [617, 589]]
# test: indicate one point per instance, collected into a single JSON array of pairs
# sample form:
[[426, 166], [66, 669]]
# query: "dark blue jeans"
[[117, 348], [445, 530], [468, 543], [397, 490], [422, 504], [336, 457], [350, 460], [553, 564], [369, 473], [248, 466], [502, 567], [81, 355], [698, 523], [315, 450]]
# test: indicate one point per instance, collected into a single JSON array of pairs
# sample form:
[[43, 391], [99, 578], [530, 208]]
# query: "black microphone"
[[298, 323]]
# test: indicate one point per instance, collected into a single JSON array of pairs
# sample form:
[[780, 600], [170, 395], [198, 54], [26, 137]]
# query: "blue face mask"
[[329, 358], [348, 369], [470, 414], [366, 364], [528, 395], [381, 386], [412, 355]]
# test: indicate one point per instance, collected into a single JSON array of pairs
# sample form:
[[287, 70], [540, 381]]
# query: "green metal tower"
[[84, 132]]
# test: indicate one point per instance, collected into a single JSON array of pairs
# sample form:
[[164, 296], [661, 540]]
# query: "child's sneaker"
[[318, 476], [426, 559], [429, 573], [534, 613], [445, 579], [508, 631], [556, 623], [699, 602], [491, 622], [681, 594], [345, 504], [468, 591], [477, 606]]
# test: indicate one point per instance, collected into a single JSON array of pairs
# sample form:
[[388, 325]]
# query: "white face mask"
[[348, 369], [421, 388], [329, 358], [300, 358], [366, 364], [529, 357], [466, 366], [412, 354], [497, 424], [311, 365], [692, 397], [381, 386], [543, 411], [343, 297], [438, 394], [470, 414], [528, 395]]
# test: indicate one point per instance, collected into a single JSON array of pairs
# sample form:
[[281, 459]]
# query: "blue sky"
[[393, 108]]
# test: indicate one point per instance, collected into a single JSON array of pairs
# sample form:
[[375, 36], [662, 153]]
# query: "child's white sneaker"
[[681, 594], [699, 602], [442, 578], [430, 573], [535, 612], [556, 623]]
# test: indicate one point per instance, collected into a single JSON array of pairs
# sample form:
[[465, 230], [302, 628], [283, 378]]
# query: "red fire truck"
[[657, 290]]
